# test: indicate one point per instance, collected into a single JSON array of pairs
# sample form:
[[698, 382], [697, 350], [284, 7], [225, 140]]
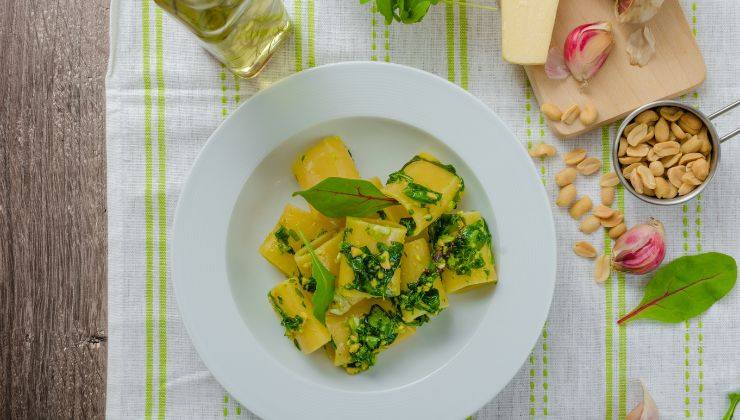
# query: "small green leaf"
[[734, 400], [685, 288], [324, 294], [405, 11], [340, 197]]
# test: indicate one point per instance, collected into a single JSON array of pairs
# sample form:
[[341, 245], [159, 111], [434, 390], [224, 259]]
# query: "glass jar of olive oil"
[[242, 34]]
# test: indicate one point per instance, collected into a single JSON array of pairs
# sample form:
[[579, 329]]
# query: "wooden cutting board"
[[618, 88]]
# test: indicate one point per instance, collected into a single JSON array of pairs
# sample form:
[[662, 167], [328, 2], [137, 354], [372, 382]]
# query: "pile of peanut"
[[579, 163], [602, 215], [665, 152]]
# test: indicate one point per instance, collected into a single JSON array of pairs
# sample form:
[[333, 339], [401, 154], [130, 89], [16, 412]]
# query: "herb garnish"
[[458, 246], [405, 11], [420, 192], [340, 197], [372, 272], [369, 335], [292, 324], [409, 223], [282, 234], [421, 294], [685, 288], [324, 283]]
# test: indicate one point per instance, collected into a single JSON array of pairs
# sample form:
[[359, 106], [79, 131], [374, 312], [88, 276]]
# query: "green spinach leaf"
[[685, 288], [405, 11], [324, 280], [340, 197], [734, 400]]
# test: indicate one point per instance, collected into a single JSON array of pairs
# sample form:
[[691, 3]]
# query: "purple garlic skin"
[[641, 249]]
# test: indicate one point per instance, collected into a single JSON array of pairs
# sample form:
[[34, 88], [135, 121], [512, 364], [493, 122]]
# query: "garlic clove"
[[641, 249], [647, 409], [641, 47], [636, 11], [555, 67], [586, 49]]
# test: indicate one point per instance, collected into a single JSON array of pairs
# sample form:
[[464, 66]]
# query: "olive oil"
[[242, 34]]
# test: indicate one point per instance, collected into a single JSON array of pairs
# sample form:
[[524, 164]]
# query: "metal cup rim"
[[713, 138]]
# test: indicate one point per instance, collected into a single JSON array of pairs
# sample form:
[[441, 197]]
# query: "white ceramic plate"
[[385, 114]]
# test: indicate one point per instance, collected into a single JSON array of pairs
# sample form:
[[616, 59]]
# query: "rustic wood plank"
[[52, 208]]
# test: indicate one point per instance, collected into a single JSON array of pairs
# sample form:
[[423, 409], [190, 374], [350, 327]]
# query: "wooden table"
[[52, 208]]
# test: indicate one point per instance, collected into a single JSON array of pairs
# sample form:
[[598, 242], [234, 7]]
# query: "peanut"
[[617, 231], [636, 182], [603, 212], [661, 130], [648, 179], [566, 196], [609, 179], [613, 220], [646, 116], [588, 166], [570, 114], [543, 150], [602, 269], [588, 115], [662, 188], [584, 249], [622, 151], [656, 168], [667, 148], [581, 207], [565, 176], [551, 111], [637, 135], [575, 156], [691, 145], [590, 224], [607, 196], [671, 113], [675, 174]]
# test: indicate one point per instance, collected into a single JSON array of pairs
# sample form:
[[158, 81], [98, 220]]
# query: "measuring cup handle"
[[716, 114]]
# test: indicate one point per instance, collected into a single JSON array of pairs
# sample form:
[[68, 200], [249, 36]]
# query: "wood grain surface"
[[619, 88], [52, 208]]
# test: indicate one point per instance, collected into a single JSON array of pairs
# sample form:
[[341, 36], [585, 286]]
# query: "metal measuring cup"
[[714, 138]]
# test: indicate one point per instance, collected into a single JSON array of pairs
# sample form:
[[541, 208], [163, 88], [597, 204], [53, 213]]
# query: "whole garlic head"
[[636, 11]]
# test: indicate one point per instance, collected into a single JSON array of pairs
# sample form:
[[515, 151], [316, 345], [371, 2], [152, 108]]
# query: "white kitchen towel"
[[165, 96]]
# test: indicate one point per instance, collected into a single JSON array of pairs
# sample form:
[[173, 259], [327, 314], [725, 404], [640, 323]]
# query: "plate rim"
[[187, 186]]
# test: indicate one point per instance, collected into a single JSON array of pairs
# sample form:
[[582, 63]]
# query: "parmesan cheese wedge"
[[526, 28]]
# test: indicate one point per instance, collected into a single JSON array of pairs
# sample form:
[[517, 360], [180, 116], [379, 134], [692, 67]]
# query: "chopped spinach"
[[282, 235], [292, 324], [413, 190], [421, 294], [308, 284], [458, 246], [419, 321], [369, 335], [372, 272], [409, 223]]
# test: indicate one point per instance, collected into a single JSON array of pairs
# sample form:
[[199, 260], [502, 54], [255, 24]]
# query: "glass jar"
[[242, 34]]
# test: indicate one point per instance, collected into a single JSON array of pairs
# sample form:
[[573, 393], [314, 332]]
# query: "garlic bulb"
[[641, 46], [587, 48], [636, 11], [641, 249]]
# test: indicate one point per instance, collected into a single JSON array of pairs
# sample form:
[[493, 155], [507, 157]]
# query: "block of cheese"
[[526, 29]]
